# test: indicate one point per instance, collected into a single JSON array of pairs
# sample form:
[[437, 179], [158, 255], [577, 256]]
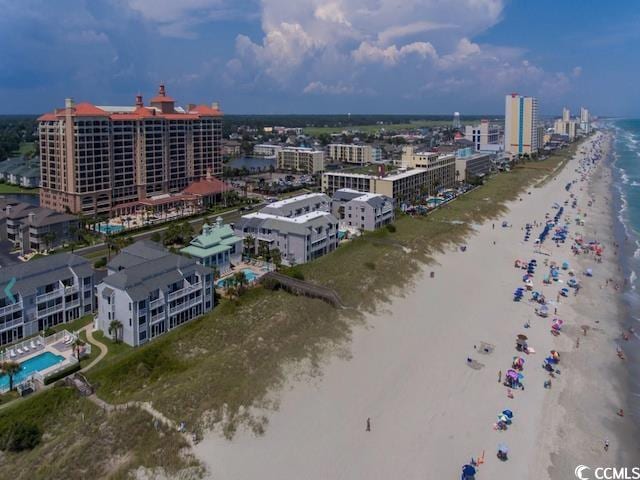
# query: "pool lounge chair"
[[33, 345], [25, 347], [19, 351], [69, 340], [12, 353]]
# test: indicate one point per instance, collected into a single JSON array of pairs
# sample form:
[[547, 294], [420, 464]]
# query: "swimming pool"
[[107, 229], [28, 367], [248, 274]]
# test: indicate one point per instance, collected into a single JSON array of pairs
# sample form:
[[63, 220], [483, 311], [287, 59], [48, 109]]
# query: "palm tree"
[[49, 238], [276, 258], [114, 329], [77, 345], [10, 369], [249, 245]]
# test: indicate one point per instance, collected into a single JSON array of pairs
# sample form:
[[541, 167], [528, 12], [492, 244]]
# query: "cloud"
[[340, 88], [368, 53], [576, 72], [331, 12]]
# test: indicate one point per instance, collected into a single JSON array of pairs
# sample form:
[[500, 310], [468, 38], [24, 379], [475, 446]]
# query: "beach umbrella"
[[468, 471], [512, 374], [589, 272], [502, 448], [508, 413], [522, 337]]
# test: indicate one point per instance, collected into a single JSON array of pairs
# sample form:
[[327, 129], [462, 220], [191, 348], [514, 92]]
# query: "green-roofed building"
[[216, 247]]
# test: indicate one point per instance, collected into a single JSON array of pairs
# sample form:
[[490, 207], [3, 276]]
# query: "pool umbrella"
[[507, 413], [502, 448]]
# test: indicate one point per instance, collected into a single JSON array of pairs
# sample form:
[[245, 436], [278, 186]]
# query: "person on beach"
[[606, 445], [500, 376], [368, 424]]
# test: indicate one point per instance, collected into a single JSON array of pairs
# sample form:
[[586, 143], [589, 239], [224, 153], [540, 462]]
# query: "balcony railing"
[[56, 293], [183, 306], [11, 324], [11, 308], [50, 310], [184, 291], [156, 303]]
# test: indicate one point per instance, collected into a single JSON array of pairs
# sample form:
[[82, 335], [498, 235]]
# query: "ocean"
[[626, 192]]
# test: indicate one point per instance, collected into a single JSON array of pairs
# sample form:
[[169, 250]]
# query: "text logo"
[[580, 472]]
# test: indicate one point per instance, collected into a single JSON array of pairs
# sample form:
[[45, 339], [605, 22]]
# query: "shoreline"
[[396, 359]]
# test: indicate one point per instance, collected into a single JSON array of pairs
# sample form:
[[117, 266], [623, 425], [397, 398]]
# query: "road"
[[229, 217]]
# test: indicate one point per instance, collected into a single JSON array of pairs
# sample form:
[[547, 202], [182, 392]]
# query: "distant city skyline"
[[333, 56]]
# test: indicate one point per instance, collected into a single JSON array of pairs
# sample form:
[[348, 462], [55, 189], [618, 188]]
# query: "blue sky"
[[322, 56]]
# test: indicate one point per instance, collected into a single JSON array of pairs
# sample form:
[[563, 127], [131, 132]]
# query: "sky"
[[323, 56]]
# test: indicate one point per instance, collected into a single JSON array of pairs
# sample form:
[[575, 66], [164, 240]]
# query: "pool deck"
[[258, 270], [54, 344]]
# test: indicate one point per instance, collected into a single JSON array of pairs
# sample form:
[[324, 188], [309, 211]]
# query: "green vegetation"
[[211, 369], [74, 325], [376, 128], [27, 149], [17, 135], [78, 440], [6, 188], [62, 373]]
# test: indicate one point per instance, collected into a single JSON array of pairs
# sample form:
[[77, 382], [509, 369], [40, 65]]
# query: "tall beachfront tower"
[[520, 124], [95, 158], [566, 114]]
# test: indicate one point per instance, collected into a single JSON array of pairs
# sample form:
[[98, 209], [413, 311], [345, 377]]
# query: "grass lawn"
[[75, 325], [315, 131], [8, 188], [208, 370]]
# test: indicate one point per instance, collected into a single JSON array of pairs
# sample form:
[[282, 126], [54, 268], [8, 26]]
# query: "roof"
[[155, 268], [207, 186], [44, 271], [346, 194], [206, 111], [88, 110], [299, 225]]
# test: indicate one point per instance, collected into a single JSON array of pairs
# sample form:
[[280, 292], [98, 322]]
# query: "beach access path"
[[407, 371]]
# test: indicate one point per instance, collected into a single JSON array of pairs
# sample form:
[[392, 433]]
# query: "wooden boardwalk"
[[301, 287]]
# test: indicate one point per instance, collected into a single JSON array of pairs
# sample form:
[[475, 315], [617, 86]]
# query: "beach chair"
[[19, 351], [25, 348], [33, 345], [12, 353]]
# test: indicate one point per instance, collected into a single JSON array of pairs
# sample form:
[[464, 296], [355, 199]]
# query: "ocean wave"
[[632, 279], [634, 184], [636, 254]]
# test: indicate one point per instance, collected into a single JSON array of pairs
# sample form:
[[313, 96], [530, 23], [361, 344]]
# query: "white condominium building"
[[485, 136]]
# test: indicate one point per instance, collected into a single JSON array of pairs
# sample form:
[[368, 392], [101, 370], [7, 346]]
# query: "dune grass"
[[214, 369]]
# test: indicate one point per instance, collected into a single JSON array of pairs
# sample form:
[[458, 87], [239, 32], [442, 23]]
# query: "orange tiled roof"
[[88, 110], [206, 111], [207, 186]]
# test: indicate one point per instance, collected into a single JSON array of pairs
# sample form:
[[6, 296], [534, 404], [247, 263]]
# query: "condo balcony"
[[14, 307], [185, 291], [58, 292]]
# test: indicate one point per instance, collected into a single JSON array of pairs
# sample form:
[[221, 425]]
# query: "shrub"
[[20, 435], [391, 228], [100, 263], [62, 373], [296, 273], [370, 265]]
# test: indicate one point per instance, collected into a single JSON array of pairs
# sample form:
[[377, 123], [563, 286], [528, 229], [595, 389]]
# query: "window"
[[86, 281], [129, 306], [142, 305], [87, 294]]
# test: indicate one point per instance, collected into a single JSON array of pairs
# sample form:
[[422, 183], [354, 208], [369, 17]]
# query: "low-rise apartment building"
[[471, 165], [300, 160], [299, 205], [151, 291], [21, 171], [362, 211], [427, 171], [47, 291], [33, 228], [266, 150], [358, 154], [302, 228]]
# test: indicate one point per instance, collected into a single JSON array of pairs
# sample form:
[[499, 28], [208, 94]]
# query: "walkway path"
[[88, 330]]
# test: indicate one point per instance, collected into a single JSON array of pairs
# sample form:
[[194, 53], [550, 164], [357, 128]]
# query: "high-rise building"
[[566, 114], [94, 158], [585, 120], [520, 124]]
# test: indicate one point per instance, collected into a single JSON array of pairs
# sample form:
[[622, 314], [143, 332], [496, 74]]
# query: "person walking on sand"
[[368, 424], [606, 445], [500, 376]]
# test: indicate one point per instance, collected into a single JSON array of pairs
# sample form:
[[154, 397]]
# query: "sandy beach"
[[430, 412]]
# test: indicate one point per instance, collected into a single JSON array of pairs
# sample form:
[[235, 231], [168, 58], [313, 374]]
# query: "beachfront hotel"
[[471, 165], [404, 186], [485, 136], [353, 153], [520, 124], [151, 291], [300, 160], [48, 291], [302, 228], [94, 158], [362, 211]]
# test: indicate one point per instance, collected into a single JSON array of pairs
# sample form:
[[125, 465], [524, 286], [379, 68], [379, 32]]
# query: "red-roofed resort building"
[[97, 158]]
